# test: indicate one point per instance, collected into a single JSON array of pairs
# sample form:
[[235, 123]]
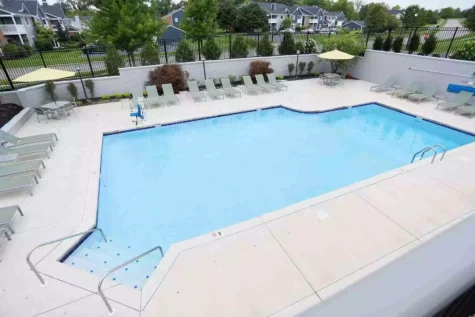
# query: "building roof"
[[274, 7], [32, 7], [174, 11], [53, 10], [394, 12], [359, 23], [14, 6], [311, 9]]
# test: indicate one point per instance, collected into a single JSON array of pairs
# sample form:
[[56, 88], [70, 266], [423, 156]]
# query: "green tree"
[[377, 17], [413, 16], [396, 7], [447, 13], [392, 22], [432, 17], [324, 4], [287, 46], [358, 5], [211, 50], [470, 20], [160, 7], [414, 43], [184, 53], [61, 34], [250, 17], [378, 43], [200, 19], [126, 24], [45, 37], [113, 60], [397, 44], [350, 43], [150, 54], [265, 47], [346, 6], [286, 23], [239, 49], [227, 12], [429, 45]]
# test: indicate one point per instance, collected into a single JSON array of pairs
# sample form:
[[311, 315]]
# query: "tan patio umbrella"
[[335, 56], [44, 74]]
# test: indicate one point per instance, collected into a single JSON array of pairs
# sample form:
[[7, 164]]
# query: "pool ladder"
[[430, 148]]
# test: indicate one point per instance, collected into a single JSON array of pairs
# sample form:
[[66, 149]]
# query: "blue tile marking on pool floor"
[[171, 183]]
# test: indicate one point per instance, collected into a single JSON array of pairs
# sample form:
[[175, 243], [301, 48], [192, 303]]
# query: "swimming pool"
[[171, 183]]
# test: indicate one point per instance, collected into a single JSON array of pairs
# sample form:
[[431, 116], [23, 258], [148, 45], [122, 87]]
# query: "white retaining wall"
[[377, 66]]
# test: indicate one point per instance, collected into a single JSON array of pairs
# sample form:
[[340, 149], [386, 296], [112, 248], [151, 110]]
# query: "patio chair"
[[273, 81], [18, 182], [228, 89], [413, 88], [31, 167], [152, 96], [68, 108], [27, 149], [5, 233], [13, 140], [169, 94], [426, 93], [195, 92], [462, 98], [262, 83], [211, 89], [6, 216], [250, 86], [43, 112], [470, 109], [388, 84]]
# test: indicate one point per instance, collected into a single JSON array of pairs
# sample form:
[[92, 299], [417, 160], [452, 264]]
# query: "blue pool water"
[[167, 184]]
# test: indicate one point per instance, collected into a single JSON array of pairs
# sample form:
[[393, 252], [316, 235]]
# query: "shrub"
[[239, 48], [265, 47], [42, 45], [184, 53], [429, 45], [378, 43], [280, 77], [73, 90], [302, 67], [299, 47], [22, 52], [251, 43], [28, 48], [316, 74], [298, 28], [50, 89], [150, 54], [467, 52], [117, 96], [387, 44], [311, 46], [10, 49], [259, 67], [113, 60], [211, 50], [90, 86], [106, 97], [75, 37], [414, 43], [290, 68], [168, 74], [397, 44], [126, 95], [310, 66], [435, 55], [232, 78], [287, 46], [144, 93]]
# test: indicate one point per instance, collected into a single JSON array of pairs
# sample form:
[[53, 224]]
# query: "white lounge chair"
[[388, 84], [27, 149], [262, 83], [152, 96], [211, 89], [250, 86], [16, 168], [6, 216], [195, 92], [169, 94], [18, 182], [13, 140], [228, 89], [273, 81]]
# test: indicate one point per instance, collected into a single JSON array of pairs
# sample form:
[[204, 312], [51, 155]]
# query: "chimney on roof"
[[272, 6], [44, 2]]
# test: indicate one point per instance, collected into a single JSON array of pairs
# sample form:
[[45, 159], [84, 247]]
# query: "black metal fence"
[[93, 62]]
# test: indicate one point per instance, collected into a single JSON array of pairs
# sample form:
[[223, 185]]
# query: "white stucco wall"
[[377, 66]]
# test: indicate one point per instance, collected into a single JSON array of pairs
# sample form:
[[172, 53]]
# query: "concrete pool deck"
[[273, 265]]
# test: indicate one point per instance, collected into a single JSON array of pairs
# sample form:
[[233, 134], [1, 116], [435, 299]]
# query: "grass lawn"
[[51, 58]]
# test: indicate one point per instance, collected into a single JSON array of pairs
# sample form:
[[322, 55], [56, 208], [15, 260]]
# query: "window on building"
[[176, 20], [17, 20], [293, 17], [281, 17], [27, 20], [6, 20]]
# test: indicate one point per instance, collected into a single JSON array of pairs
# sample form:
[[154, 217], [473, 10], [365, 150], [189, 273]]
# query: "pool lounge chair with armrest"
[[426, 93], [6, 216], [250, 86], [413, 88], [388, 84], [153, 98], [228, 89], [211, 89], [273, 81], [30, 167], [27, 149], [5, 233], [13, 140], [18, 182], [168, 94], [262, 83], [43, 112], [462, 98], [195, 92], [470, 109]]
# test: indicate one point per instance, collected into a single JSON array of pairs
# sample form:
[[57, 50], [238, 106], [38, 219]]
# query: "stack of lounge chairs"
[[168, 95]]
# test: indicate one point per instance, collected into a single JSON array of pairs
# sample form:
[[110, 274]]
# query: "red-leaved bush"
[[259, 67], [168, 74]]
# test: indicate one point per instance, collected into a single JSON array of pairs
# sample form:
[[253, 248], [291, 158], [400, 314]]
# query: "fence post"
[[89, 61], [329, 33], [306, 42], [229, 39], [43, 60], [272, 36], [199, 50], [367, 38], [451, 42], [165, 50], [130, 61], [257, 47], [6, 74]]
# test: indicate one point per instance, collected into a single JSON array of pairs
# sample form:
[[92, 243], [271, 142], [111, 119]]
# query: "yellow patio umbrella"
[[44, 74], [335, 56]]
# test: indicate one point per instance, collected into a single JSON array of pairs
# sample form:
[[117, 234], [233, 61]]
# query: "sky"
[[431, 4]]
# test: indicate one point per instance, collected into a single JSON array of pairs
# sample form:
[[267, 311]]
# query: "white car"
[[287, 30], [309, 30]]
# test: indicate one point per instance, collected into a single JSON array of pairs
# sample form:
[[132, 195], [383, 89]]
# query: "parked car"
[[287, 30], [93, 49], [309, 30], [327, 31]]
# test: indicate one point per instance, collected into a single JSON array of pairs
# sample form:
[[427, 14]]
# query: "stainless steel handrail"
[[32, 266], [423, 151], [443, 148], [99, 286]]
